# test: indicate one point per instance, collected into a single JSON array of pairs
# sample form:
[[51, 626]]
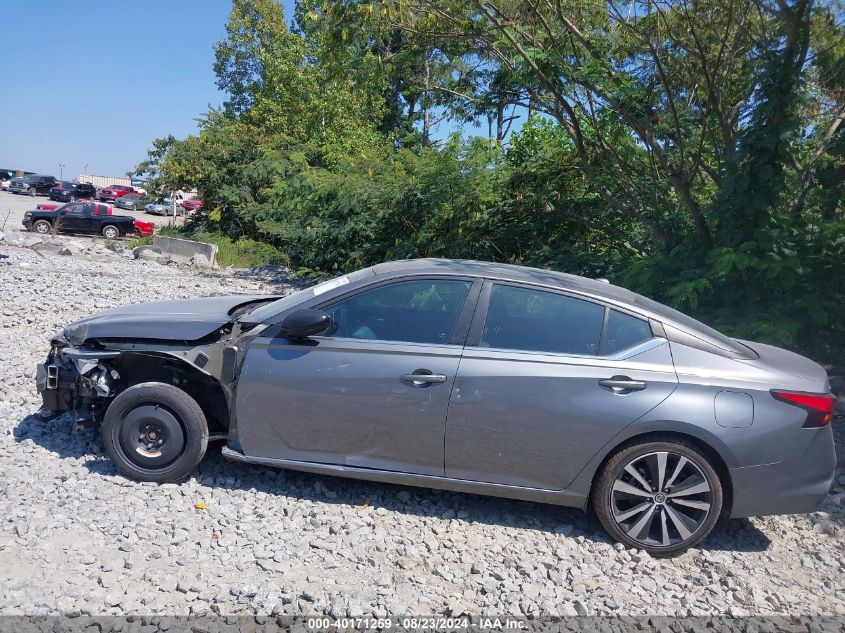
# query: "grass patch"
[[242, 253], [139, 241]]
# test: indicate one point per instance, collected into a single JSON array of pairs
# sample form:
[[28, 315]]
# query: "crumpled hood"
[[180, 319]]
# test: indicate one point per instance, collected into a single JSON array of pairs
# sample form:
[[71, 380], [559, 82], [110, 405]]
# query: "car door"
[[73, 218], [546, 379], [370, 392]]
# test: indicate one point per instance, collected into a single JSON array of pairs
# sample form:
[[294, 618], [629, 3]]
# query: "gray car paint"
[[505, 437], [180, 319], [509, 423], [342, 402], [526, 419]]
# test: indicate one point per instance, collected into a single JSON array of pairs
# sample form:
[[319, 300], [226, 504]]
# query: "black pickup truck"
[[80, 217], [33, 185]]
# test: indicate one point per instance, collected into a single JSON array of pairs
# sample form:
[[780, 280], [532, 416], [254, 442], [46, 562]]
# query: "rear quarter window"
[[624, 331]]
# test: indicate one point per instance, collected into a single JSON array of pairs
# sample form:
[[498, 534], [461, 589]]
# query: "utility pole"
[[61, 170]]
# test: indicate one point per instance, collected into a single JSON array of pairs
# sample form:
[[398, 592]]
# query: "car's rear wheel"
[[660, 496], [111, 232], [42, 226], [32, 192], [155, 432]]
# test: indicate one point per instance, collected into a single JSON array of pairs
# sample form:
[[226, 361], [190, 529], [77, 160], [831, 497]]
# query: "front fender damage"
[[85, 379]]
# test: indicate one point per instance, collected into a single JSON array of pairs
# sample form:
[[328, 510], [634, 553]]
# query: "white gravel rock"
[[77, 538]]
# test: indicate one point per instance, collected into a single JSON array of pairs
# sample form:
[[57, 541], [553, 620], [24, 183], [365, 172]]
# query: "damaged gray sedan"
[[466, 376]]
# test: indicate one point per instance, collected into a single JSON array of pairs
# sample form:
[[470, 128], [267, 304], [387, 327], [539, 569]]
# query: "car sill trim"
[[541, 495]]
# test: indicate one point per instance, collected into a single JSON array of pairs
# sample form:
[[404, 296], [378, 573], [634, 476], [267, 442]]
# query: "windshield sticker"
[[330, 285]]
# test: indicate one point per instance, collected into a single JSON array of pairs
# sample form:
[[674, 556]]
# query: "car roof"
[[507, 272]]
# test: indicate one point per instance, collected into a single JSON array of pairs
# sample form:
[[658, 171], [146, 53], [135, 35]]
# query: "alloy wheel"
[[661, 499]]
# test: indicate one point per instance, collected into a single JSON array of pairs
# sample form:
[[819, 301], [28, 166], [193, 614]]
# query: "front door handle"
[[423, 377], [622, 384]]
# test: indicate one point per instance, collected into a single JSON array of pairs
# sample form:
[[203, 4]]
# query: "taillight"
[[819, 408]]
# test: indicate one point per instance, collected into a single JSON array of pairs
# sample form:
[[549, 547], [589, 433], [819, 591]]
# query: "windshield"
[[270, 310]]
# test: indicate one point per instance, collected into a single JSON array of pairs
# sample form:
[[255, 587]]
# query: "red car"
[[145, 229], [113, 192], [192, 204]]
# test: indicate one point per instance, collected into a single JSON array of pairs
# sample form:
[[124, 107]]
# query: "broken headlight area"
[[78, 380]]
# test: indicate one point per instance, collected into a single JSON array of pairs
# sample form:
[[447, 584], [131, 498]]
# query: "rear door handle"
[[622, 384], [423, 377]]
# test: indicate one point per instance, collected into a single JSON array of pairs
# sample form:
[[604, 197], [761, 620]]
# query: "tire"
[[32, 192], [662, 522], [42, 227], [155, 432], [110, 232], [72, 199]]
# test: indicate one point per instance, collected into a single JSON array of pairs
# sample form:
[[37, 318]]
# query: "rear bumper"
[[796, 485]]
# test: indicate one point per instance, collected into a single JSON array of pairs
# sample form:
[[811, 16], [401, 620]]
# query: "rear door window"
[[528, 319]]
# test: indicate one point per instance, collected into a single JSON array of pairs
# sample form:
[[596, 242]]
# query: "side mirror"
[[304, 323]]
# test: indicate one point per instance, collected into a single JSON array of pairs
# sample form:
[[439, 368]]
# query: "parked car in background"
[[80, 217], [113, 192], [33, 185], [466, 376], [192, 204], [139, 184], [72, 191], [145, 229], [132, 201], [162, 207], [5, 180]]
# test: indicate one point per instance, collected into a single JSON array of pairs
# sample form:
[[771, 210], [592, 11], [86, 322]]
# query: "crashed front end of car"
[[77, 379], [192, 344]]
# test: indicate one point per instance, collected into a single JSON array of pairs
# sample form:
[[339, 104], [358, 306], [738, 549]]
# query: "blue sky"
[[94, 81]]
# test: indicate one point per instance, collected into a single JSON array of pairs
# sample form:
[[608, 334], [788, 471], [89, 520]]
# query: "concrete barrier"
[[186, 250]]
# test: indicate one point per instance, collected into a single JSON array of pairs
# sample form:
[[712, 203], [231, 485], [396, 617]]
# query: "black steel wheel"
[[155, 432], [663, 497]]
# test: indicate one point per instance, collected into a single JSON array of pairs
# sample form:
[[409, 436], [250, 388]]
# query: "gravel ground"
[[235, 539]]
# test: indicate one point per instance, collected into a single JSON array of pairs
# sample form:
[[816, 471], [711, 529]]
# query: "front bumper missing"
[[74, 379]]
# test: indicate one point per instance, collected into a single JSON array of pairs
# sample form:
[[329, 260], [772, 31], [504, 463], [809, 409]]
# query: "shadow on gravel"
[[736, 535], [56, 435]]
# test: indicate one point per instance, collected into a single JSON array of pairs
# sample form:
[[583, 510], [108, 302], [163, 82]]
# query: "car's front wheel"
[[155, 432], [660, 496], [42, 226]]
